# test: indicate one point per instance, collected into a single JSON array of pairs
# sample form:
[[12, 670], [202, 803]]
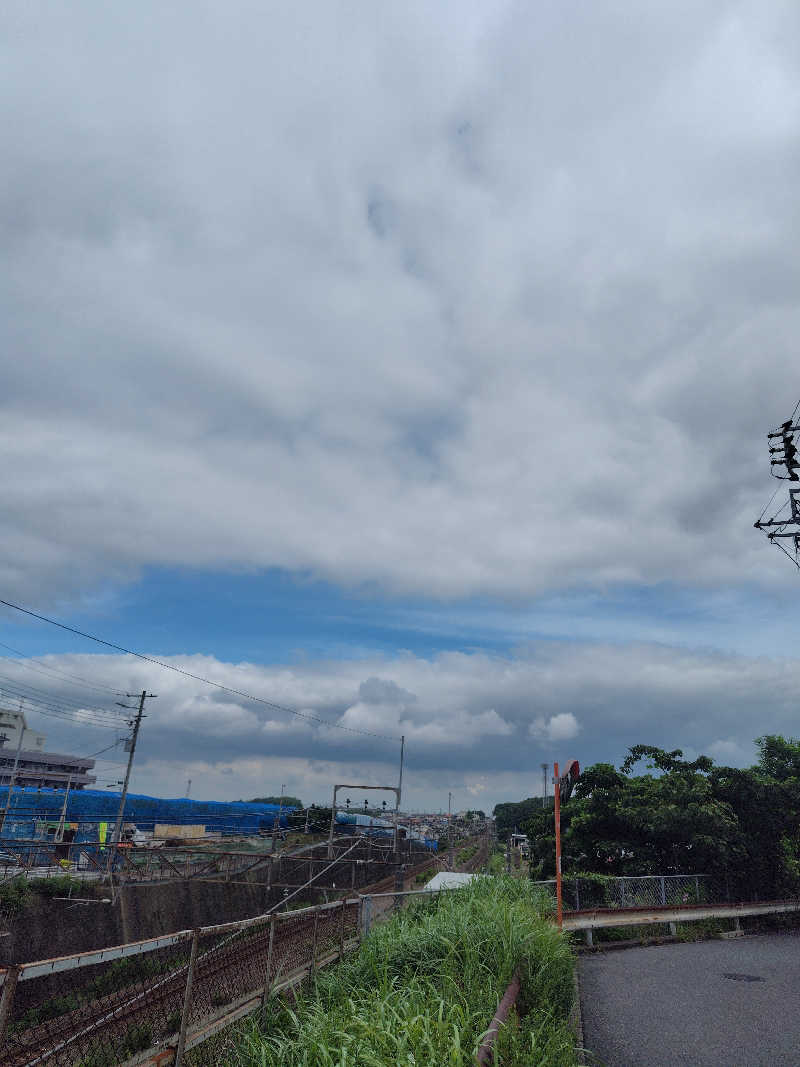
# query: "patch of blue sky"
[[277, 617]]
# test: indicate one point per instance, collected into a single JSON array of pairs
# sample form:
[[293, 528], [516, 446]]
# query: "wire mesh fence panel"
[[100, 1014], [109, 1007], [327, 939], [230, 967], [641, 891], [294, 943]]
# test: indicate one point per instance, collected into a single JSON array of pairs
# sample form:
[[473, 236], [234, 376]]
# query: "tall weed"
[[423, 989]]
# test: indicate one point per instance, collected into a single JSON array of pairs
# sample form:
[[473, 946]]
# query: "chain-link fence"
[[116, 1005], [640, 891]]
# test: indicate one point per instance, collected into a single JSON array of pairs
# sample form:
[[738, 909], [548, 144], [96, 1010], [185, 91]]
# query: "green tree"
[[620, 823], [509, 815], [286, 802]]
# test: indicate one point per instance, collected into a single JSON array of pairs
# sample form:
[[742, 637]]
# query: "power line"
[[199, 678], [74, 715], [59, 700], [102, 750], [26, 661], [79, 713]]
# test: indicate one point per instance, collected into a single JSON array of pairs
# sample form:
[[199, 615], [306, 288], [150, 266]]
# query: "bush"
[[60, 885], [15, 895], [424, 986]]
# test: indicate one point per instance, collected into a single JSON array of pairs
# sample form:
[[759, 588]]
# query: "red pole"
[[557, 814]]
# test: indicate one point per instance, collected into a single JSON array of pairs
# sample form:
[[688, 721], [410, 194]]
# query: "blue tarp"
[[88, 807]]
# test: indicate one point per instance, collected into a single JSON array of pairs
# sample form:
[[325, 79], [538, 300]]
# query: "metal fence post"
[[398, 887], [577, 897], [7, 1000], [622, 892], [268, 981], [366, 916], [341, 930], [313, 966], [673, 929], [697, 889], [187, 998]]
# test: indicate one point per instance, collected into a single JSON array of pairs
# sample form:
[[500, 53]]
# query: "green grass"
[[466, 854], [497, 862], [423, 989]]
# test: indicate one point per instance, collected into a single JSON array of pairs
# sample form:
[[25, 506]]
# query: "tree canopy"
[[680, 816], [507, 816], [286, 802]]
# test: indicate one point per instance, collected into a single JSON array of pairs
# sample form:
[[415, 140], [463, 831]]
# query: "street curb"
[[576, 1015]]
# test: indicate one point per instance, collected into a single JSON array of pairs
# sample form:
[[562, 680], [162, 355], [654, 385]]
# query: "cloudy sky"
[[405, 364]]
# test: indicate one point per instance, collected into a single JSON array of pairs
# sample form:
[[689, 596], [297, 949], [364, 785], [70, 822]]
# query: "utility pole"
[[557, 818], [450, 828], [61, 821], [276, 823], [131, 746], [781, 526], [396, 834], [13, 776]]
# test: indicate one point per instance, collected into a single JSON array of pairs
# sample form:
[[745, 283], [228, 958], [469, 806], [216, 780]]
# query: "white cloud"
[[549, 701], [480, 300], [561, 727]]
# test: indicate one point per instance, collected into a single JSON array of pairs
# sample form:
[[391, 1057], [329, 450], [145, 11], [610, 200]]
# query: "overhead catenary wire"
[[199, 678]]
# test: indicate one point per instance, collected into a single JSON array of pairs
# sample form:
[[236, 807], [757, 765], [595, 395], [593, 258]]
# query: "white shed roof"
[[449, 880]]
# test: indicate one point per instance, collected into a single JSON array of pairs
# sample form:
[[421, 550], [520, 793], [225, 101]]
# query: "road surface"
[[731, 1003]]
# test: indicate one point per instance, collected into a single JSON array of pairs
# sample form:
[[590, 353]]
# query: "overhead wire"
[[763, 513], [27, 661], [78, 713], [791, 557], [92, 755], [199, 678], [103, 703], [74, 715], [61, 701]]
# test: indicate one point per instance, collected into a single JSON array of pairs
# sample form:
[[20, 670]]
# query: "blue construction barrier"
[[88, 808]]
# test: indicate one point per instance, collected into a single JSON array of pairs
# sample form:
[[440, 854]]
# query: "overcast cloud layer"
[[451, 299], [477, 724]]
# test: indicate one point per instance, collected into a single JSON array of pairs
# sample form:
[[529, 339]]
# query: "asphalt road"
[[673, 1004]]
